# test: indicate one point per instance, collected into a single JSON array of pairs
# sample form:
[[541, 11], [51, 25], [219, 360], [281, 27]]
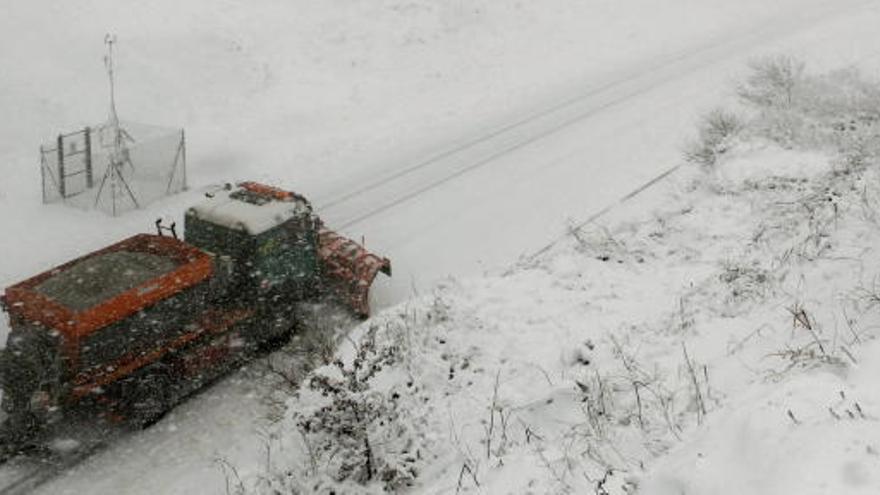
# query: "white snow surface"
[[235, 214], [582, 357], [328, 97]]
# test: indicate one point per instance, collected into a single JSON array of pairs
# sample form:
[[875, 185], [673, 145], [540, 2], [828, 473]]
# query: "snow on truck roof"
[[252, 207]]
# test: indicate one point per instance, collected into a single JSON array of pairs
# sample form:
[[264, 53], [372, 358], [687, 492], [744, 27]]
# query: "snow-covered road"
[[485, 195]]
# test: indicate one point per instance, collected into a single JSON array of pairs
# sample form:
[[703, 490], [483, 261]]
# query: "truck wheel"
[[153, 398], [275, 342]]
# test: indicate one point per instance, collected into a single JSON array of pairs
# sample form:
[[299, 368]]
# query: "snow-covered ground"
[[715, 335], [328, 97]]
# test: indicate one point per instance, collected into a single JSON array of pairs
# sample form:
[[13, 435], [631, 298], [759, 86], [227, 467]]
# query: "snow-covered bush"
[[839, 111], [356, 432], [772, 81], [716, 132]]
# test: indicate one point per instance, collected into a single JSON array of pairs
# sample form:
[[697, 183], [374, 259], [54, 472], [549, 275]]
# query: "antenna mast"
[[118, 138], [119, 155]]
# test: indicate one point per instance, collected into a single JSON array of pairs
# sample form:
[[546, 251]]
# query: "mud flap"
[[349, 269]]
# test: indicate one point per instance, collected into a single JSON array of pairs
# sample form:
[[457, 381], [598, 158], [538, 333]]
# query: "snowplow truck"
[[126, 331]]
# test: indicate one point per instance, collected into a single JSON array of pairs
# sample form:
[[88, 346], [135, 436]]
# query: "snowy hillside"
[[725, 342]]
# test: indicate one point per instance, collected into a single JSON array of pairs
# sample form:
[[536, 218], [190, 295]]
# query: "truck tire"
[[152, 398]]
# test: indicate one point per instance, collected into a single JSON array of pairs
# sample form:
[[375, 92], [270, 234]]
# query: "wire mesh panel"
[[86, 169], [67, 165]]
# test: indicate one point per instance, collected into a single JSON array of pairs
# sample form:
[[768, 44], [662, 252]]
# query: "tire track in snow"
[[37, 471]]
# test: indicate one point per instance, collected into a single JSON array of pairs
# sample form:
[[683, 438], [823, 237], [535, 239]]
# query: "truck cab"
[[270, 236]]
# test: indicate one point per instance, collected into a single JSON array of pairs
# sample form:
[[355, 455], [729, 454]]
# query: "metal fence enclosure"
[[77, 168]]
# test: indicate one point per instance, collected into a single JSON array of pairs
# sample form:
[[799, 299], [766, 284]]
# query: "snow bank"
[[767, 161], [828, 445]]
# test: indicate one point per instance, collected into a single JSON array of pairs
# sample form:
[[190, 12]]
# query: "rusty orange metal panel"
[[193, 266], [268, 191]]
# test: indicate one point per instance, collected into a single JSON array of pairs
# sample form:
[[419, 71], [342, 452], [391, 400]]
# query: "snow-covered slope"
[[325, 97], [717, 335]]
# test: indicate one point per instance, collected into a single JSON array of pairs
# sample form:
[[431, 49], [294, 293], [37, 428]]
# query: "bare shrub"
[[772, 81], [716, 131], [810, 354]]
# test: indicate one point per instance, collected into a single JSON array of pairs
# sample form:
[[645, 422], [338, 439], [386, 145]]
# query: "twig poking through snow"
[[701, 406]]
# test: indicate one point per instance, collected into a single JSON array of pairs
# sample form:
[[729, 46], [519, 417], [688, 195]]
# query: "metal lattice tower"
[[119, 154]]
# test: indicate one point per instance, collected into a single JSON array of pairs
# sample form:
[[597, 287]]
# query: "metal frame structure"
[[63, 157], [79, 153], [117, 151]]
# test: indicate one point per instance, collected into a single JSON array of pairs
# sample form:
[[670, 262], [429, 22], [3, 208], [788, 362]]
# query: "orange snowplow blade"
[[350, 269]]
